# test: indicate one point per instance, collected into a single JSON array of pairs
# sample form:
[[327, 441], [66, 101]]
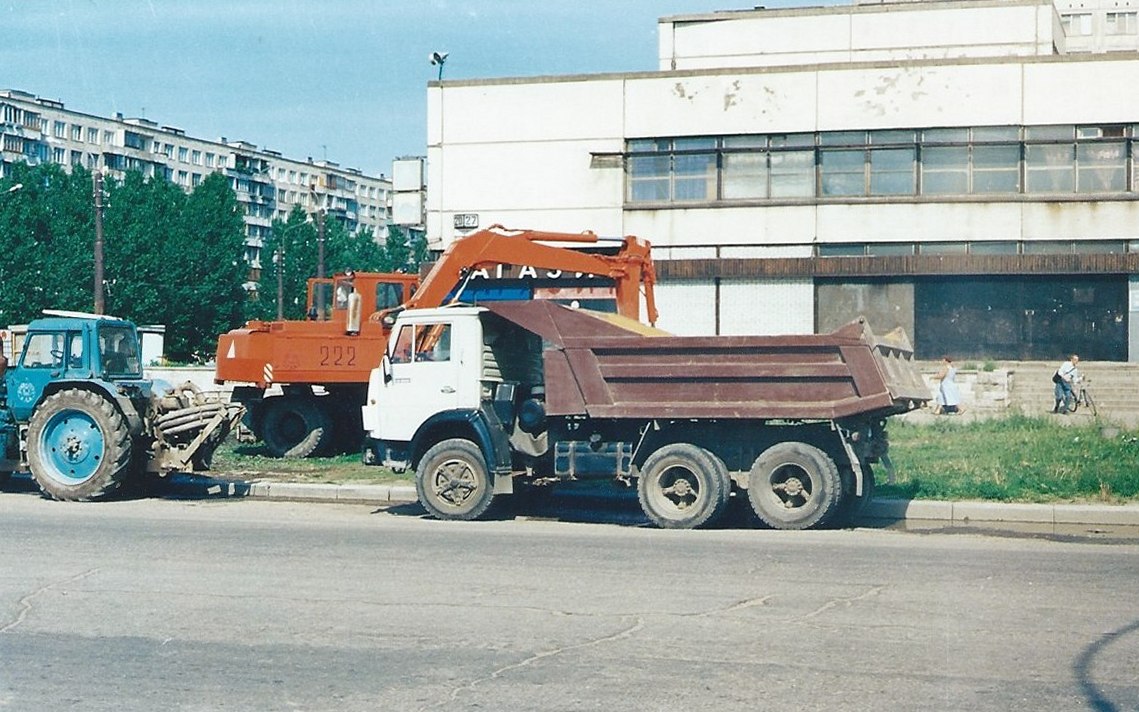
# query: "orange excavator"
[[302, 382]]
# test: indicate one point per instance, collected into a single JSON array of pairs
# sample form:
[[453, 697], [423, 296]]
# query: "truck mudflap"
[[189, 425]]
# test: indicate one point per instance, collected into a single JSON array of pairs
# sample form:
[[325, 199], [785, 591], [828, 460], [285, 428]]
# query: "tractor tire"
[[682, 486], [794, 485], [295, 427], [453, 482], [79, 446]]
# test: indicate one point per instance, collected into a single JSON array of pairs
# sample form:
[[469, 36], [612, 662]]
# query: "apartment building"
[[964, 169], [268, 185]]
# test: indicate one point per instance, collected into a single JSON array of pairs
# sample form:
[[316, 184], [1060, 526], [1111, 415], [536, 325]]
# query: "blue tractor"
[[78, 414]]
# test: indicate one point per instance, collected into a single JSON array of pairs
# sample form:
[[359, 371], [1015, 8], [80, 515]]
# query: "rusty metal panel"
[[563, 397]]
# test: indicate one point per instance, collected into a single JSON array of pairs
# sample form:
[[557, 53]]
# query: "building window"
[[196, 158], [1121, 23], [183, 154], [1077, 24], [694, 169], [59, 129], [93, 136], [76, 133], [1049, 159], [892, 163]]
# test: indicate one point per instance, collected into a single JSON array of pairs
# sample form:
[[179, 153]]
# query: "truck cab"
[[431, 373]]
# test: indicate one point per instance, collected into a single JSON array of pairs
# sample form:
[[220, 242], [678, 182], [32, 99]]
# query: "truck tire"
[[295, 427], [79, 447], [452, 481], [794, 485], [682, 486]]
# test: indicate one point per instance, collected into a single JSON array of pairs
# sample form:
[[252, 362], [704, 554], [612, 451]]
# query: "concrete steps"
[[1000, 388]]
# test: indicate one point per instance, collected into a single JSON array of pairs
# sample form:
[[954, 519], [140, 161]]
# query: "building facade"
[[948, 167], [268, 185]]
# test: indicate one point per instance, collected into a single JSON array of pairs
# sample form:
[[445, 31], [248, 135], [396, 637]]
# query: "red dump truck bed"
[[601, 367]]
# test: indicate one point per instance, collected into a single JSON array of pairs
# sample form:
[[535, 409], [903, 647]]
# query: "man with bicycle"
[[1064, 378]]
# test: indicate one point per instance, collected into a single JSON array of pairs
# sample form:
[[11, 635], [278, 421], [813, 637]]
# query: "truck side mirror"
[[386, 367]]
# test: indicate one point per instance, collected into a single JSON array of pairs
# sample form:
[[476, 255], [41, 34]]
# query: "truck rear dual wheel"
[[453, 482], [682, 486], [79, 447], [295, 427], [794, 485]]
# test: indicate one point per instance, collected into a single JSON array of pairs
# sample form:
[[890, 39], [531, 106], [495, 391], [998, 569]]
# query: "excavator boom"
[[631, 268]]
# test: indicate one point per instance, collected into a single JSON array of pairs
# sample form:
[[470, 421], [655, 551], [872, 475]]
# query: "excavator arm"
[[631, 268]]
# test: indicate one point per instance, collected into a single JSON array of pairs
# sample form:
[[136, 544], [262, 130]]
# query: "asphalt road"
[[255, 605]]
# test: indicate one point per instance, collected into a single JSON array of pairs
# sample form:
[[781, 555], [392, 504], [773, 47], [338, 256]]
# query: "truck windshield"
[[118, 347]]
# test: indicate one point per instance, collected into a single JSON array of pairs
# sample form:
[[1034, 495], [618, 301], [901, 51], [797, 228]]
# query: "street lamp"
[[438, 58]]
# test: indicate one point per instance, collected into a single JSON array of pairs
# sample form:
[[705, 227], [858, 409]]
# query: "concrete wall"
[[886, 305], [858, 33]]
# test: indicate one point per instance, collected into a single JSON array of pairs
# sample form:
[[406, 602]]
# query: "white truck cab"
[[433, 364]]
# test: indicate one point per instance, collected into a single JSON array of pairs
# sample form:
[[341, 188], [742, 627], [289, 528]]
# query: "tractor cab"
[[64, 348]]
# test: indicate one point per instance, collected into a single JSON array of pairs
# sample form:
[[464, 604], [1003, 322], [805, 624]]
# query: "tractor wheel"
[[794, 485], [452, 481], [682, 486], [79, 447], [295, 427]]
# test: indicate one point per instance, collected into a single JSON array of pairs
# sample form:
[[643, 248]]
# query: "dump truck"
[[76, 411], [482, 402], [303, 382]]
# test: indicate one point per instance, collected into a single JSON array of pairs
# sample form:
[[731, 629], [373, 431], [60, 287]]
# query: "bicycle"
[[1082, 396]]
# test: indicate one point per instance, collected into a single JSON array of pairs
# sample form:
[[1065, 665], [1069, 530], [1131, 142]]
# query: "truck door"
[[426, 379]]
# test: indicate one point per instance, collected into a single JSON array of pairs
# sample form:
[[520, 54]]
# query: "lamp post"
[[279, 259], [98, 286]]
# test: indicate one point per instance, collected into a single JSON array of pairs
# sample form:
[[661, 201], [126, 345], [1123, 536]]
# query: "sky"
[[338, 80]]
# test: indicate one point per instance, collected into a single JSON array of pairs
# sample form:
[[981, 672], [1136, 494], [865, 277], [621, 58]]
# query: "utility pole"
[[98, 178], [279, 258], [320, 243]]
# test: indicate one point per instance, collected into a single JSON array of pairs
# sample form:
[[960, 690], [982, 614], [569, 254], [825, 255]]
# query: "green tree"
[[169, 258], [204, 293]]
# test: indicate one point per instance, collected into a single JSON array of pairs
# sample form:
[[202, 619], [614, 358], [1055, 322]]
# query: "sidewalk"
[[879, 512]]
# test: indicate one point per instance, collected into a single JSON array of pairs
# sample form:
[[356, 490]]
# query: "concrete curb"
[[880, 510]]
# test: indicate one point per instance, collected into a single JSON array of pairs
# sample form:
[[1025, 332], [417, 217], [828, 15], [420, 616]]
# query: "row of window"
[[1079, 24], [989, 247], [984, 160]]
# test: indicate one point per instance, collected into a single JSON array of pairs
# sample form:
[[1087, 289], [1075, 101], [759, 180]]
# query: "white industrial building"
[[963, 169]]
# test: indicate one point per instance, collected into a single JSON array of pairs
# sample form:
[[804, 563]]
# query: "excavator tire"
[[79, 447], [294, 426]]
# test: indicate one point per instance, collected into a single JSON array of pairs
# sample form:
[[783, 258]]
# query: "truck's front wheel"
[[452, 480], [794, 485], [682, 486], [79, 447]]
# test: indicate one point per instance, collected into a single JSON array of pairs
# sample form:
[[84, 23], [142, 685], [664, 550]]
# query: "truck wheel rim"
[[791, 485], [677, 489], [72, 446], [454, 482]]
